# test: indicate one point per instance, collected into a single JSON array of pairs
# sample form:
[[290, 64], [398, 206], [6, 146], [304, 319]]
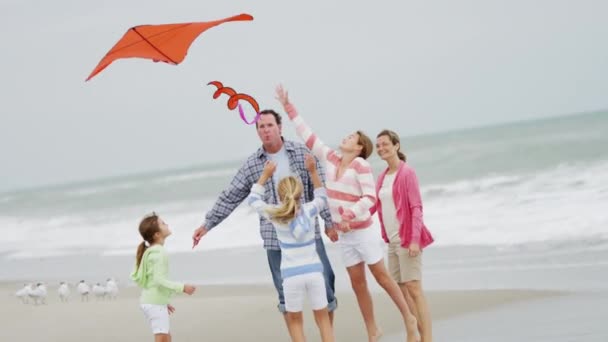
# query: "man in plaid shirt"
[[289, 157]]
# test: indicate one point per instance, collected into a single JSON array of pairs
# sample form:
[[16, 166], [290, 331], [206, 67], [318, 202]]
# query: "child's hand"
[[189, 289], [269, 168], [311, 163], [170, 308]]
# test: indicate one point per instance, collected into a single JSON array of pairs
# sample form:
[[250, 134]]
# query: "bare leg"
[[324, 324], [392, 289], [289, 325], [411, 303], [295, 324], [331, 318], [364, 298], [414, 288], [162, 338]]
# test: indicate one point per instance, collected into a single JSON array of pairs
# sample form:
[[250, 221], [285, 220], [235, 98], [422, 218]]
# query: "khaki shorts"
[[401, 266]]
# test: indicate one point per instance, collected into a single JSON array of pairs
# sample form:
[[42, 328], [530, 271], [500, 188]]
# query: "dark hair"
[[367, 144], [394, 138], [147, 228], [277, 116]]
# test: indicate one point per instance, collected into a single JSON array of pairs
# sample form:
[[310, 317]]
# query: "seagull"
[[111, 288], [99, 291], [39, 294], [64, 291], [24, 293], [84, 290]]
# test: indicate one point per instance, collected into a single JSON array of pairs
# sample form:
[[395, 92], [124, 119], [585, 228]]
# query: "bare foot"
[[376, 336]]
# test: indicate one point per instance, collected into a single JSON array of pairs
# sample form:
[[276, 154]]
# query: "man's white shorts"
[[364, 245], [157, 316], [297, 287]]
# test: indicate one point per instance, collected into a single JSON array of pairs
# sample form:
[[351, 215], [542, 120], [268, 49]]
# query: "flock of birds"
[[37, 294]]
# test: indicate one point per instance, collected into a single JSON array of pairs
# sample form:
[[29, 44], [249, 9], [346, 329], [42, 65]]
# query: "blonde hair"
[[147, 228], [290, 192]]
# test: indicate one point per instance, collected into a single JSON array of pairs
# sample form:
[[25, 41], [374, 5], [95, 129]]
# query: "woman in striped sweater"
[[351, 193]]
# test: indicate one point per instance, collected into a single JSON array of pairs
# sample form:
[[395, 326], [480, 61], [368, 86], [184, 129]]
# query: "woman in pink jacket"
[[399, 208]]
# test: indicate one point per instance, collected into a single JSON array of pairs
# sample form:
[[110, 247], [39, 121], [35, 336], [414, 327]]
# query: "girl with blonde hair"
[[301, 268]]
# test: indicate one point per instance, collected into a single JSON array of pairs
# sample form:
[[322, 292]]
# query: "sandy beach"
[[218, 313], [484, 294]]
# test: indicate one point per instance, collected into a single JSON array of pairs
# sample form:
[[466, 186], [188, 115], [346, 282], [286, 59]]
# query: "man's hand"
[[198, 234], [332, 234], [170, 308]]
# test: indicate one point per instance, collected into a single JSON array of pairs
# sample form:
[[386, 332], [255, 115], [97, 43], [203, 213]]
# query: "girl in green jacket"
[[150, 274]]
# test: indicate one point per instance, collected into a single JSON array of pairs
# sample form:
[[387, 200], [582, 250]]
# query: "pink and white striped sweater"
[[354, 191]]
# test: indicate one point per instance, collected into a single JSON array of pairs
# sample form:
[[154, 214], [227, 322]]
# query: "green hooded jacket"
[[151, 277]]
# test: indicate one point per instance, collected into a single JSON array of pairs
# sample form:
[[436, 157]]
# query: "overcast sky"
[[413, 66]]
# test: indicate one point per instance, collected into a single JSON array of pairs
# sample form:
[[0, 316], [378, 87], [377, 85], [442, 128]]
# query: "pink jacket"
[[408, 203]]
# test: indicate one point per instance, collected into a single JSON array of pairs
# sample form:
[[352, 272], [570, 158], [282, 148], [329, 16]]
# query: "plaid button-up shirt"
[[249, 173]]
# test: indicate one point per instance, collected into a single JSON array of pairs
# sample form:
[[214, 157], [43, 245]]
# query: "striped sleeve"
[[366, 181], [312, 141], [255, 201], [301, 227], [318, 203]]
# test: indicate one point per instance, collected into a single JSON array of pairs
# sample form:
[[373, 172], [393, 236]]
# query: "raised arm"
[[319, 201], [311, 209], [325, 213], [301, 228], [312, 141], [311, 166], [254, 199]]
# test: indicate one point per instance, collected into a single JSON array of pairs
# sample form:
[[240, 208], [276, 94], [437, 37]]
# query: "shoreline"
[[212, 312]]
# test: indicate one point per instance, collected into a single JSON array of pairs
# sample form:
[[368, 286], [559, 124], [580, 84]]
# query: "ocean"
[[516, 207], [542, 182]]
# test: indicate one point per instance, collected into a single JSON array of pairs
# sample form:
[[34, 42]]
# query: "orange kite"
[[167, 43]]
